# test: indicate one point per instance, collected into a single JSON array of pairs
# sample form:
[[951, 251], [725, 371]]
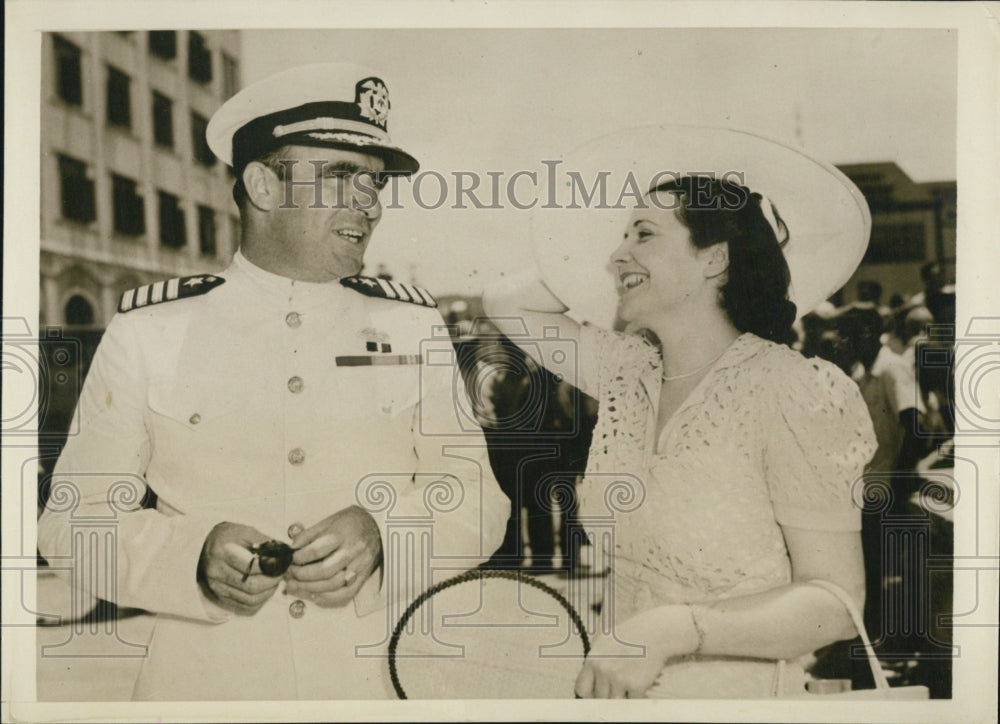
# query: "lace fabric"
[[767, 438], [627, 366]]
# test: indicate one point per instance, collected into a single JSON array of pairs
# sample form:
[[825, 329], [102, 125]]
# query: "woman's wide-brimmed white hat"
[[594, 188]]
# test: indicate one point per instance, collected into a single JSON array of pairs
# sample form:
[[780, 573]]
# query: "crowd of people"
[[900, 355]]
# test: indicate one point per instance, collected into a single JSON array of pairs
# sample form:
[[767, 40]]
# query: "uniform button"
[[295, 384], [297, 608], [294, 529], [293, 320], [194, 419], [296, 456]]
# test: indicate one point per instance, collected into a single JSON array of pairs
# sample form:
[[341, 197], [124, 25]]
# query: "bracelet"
[[698, 630]]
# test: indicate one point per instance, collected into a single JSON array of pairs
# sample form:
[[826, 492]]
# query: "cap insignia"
[[373, 100]]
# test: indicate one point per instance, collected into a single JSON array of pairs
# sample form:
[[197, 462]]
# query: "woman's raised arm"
[[524, 310]]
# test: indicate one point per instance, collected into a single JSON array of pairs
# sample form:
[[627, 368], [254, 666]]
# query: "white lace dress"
[[767, 438]]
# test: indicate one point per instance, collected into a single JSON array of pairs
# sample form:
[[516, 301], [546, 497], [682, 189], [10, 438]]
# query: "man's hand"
[[335, 557], [223, 565]]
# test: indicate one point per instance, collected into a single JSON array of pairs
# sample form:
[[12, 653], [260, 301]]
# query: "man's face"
[[327, 210]]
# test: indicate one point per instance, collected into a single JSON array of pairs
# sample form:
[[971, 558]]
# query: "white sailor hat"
[[336, 105], [826, 220]]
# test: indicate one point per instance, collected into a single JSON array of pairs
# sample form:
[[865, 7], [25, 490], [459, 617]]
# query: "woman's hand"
[[625, 664]]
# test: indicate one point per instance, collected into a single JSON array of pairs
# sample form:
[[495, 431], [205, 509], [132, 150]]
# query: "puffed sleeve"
[[607, 357], [816, 446], [625, 382]]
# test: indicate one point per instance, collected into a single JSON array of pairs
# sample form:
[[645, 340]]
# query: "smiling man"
[[279, 410], [310, 215]]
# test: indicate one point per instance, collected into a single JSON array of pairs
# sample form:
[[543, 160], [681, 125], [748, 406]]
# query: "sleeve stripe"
[[142, 296], [173, 288], [426, 296], [156, 293], [413, 292], [128, 298], [390, 293], [403, 293]]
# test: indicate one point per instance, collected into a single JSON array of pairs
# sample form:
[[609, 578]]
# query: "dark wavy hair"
[[755, 292]]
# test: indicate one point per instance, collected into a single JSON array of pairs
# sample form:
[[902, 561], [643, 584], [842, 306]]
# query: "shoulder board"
[[168, 291], [375, 287]]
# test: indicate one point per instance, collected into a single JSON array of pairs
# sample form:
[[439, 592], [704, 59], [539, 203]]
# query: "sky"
[[503, 100]]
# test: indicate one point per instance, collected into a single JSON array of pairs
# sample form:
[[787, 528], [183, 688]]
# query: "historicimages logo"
[[37, 369]]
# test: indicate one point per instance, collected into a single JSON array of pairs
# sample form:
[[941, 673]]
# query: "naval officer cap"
[[332, 105]]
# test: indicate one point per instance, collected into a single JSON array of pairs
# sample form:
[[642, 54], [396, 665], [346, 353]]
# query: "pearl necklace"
[[692, 373]]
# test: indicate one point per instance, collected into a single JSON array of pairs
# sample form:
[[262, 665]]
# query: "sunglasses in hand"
[[274, 558]]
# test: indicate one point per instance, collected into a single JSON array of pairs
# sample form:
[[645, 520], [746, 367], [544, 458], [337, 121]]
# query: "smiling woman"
[[754, 293], [726, 461]]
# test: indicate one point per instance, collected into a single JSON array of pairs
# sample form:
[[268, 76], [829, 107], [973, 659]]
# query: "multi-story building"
[[912, 224], [130, 192]]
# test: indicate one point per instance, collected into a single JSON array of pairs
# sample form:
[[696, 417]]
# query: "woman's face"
[[659, 271]]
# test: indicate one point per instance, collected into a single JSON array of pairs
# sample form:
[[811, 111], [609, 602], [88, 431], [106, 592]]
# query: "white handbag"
[[882, 689]]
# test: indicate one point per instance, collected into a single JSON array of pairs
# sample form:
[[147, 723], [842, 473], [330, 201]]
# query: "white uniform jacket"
[[272, 403]]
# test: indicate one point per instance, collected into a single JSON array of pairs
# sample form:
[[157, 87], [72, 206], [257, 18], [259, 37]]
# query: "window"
[[896, 241], [79, 311], [163, 120], [173, 234], [877, 194], [199, 143], [119, 98], [163, 43], [129, 214], [206, 231], [76, 190], [199, 58], [230, 76], [69, 78]]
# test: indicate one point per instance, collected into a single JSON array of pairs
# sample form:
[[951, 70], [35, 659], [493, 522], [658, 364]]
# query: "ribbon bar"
[[384, 359]]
